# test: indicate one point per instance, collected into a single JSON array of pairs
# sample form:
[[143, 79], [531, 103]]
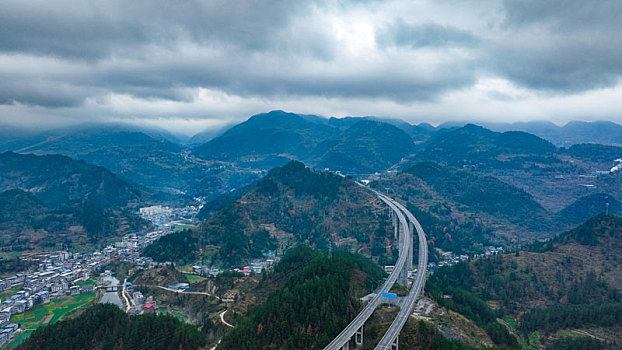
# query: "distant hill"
[[290, 206], [26, 223], [268, 135], [556, 177], [587, 207], [463, 210], [126, 151], [566, 286], [49, 201], [479, 148], [419, 133], [144, 156], [58, 179], [574, 132], [366, 146], [350, 145], [601, 156]]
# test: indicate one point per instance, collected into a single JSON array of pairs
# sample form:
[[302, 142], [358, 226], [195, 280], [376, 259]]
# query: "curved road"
[[176, 290], [369, 309], [391, 336]]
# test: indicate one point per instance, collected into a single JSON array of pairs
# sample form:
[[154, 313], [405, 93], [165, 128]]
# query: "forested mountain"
[[574, 132], [353, 145], [555, 177], [265, 136], [587, 207], [148, 157], [318, 299], [366, 146], [571, 282], [58, 179], [55, 201], [105, 326], [463, 210], [598, 155], [291, 205], [420, 132], [482, 149]]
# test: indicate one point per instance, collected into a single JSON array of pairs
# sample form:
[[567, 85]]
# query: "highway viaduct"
[[405, 224]]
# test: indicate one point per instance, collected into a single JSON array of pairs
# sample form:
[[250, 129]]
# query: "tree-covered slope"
[[54, 201], [267, 135], [570, 282], [151, 158], [462, 210], [480, 148], [367, 146], [27, 223], [318, 299], [586, 207], [55, 180], [556, 177], [351, 145], [105, 326], [292, 205]]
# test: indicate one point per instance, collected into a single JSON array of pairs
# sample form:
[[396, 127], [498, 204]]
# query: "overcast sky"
[[186, 65]]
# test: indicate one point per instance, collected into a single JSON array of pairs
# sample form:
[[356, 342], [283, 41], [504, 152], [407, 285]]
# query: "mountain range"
[[291, 205], [55, 201]]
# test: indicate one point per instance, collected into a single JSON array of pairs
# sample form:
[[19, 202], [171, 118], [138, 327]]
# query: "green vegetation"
[[11, 291], [318, 299], [52, 311], [20, 339], [449, 287], [77, 205], [575, 273], [421, 336], [13, 265], [587, 207], [178, 247], [291, 205], [480, 148], [194, 278], [459, 237], [107, 327], [562, 317], [181, 228], [576, 343], [485, 194], [356, 145], [61, 179], [366, 147]]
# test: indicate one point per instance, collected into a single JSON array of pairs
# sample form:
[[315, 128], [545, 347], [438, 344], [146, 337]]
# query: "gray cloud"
[[67, 58], [560, 46], [424, 35]]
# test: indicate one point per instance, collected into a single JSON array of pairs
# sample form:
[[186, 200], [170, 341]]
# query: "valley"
[[206, 233]]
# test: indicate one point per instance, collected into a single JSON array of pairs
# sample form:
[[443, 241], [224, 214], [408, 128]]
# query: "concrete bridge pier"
[[411, 249], [403, 277], [395, 345], [358, 338], [396, 226]]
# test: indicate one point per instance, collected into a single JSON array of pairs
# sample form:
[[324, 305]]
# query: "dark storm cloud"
[[560, 46], [93, 30], [424, 35], [72, 57]]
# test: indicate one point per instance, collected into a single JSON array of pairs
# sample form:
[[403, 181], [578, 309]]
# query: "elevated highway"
[[355, 328], [390, 340], [404, 224]]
